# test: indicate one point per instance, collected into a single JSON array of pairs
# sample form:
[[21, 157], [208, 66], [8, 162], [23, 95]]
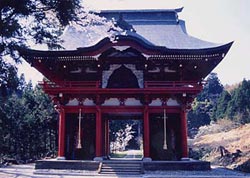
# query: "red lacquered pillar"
[[107, 137], [61, 135], [184, 144], [98, 149], [146, 143]]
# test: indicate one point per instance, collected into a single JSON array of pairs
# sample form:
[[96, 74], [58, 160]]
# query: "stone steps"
[[121, 168]]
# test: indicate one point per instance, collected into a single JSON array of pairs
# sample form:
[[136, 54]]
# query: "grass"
[[118, 155]]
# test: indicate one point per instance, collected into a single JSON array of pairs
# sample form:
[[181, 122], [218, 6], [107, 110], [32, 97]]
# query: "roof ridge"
[[177, 10]]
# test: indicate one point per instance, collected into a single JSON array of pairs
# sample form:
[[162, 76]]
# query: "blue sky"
[[218, 21]]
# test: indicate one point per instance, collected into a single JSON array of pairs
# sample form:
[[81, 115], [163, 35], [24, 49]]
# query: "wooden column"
[[61, 135], [106, 137], [146, 143], [98, 149], [184, 144]]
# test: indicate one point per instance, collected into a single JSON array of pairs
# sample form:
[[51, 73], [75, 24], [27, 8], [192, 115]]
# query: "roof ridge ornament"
[[121, 23]]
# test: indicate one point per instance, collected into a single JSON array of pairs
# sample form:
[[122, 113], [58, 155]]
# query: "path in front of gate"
[[131, 155], [28, 171]]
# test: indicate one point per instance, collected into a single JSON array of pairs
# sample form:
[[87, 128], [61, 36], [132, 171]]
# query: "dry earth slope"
[[213, 145]]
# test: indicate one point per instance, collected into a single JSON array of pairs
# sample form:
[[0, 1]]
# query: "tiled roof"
[[154, 27]]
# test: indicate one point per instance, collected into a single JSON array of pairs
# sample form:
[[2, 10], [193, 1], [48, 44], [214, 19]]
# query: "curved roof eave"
[[99, 47], [137, 43], [223, 48]]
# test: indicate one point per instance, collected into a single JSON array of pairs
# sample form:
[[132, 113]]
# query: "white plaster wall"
[[172, 102], [73, 102], [111, 102], [107, 73], [132, 102], [156, 102], [88, 102]]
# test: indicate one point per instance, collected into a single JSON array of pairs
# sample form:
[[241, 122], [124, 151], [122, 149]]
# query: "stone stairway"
[[121, 168]]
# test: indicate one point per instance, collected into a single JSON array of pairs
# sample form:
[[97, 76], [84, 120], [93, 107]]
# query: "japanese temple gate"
[[152, 72]]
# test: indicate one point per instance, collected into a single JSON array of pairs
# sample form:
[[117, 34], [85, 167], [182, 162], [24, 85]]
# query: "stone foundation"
[[191, 165]]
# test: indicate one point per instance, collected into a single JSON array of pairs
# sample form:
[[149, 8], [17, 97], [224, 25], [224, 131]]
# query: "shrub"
[[222, 125]]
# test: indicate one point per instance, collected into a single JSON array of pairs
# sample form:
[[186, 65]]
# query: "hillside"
[[233, 143]]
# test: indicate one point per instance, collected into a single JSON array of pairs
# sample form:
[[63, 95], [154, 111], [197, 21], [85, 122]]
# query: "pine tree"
[[212, 89], [220, 109], [28, 124], [239, 106], [203, 107]]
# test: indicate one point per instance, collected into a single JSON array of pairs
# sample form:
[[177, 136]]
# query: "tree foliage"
[[122, 138], [220, 109], [238, 107], [212, 89], [203, 105], [28, 123], [8, 78], [215, 103]]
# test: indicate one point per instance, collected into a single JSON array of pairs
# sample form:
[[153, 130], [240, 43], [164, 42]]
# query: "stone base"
[[98, 158], [146, 159], [67, 164], [148, 165], [185, 159], [61, 158], [191, 165]]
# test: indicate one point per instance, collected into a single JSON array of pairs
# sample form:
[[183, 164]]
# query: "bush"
[[196, 154], [222, 125]]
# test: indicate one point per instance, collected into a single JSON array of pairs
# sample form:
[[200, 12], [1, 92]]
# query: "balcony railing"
[[71, 84], [170, 84], [97, 85]]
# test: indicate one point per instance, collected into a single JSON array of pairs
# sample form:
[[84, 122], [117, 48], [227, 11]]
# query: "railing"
[[96, 84], [71, 84], [171, 84]]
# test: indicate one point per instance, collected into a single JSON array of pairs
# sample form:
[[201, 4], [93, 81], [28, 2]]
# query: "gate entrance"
[[125, 136]]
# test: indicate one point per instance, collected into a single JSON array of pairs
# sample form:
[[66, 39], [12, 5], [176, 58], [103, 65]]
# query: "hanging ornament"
[[79, 145], [165, 147]]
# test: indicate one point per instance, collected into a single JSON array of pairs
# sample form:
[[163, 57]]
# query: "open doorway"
[[125, 137]]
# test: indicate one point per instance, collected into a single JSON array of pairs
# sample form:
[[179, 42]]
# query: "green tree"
[[220, 109], [203, 106], [239, 107], [43, 118], [212, 89], [198, 116], [28, 124], [8, 79]]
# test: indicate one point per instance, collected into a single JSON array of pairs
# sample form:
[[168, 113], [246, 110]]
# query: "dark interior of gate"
[[87, 137], [173, 139]]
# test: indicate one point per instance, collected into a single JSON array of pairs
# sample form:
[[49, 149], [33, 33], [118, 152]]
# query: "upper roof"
[[156, 39], [157, 27]]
